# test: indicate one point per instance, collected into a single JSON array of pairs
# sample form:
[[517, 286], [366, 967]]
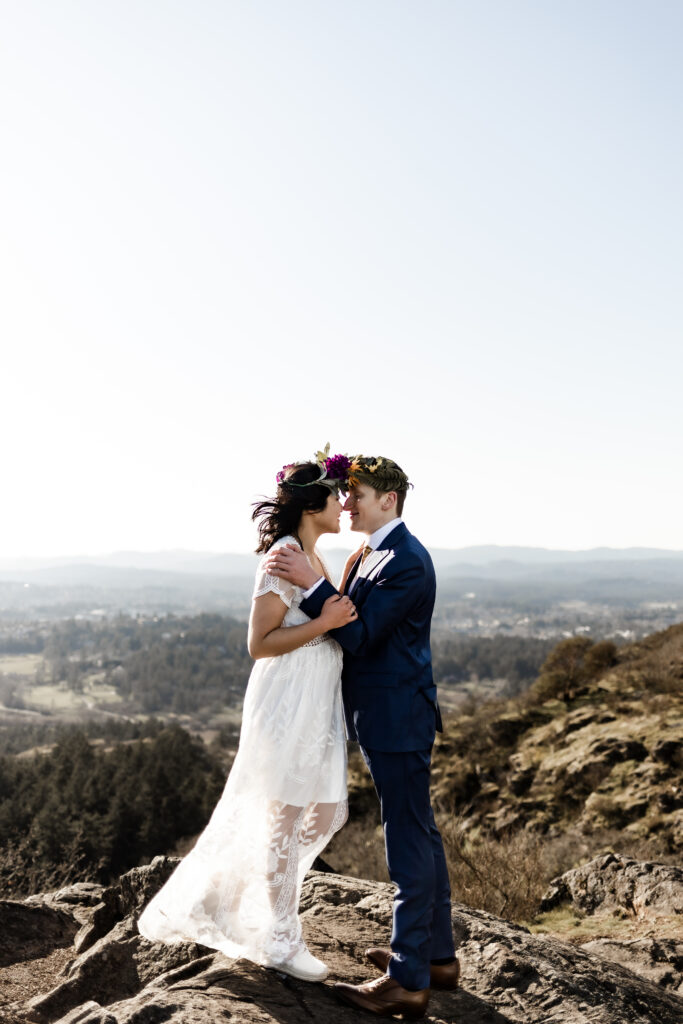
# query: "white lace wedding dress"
[[238, 889]]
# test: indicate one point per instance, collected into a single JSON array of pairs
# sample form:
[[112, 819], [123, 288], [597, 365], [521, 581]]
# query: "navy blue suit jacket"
[[387, 684]]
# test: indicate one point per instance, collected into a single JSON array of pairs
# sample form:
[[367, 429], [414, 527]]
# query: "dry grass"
[[506, 877], [358, 850], [572, 926]]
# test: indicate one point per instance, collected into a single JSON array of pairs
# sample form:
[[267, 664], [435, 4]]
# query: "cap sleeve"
[[266, 584]]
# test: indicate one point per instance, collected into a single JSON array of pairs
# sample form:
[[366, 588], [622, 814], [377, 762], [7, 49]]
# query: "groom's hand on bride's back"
[[290, 563]]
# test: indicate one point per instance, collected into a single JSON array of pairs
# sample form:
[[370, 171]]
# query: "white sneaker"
[[302, 965]]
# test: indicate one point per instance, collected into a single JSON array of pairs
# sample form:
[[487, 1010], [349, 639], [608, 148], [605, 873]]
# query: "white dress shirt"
[[376, 538], [373, 541]]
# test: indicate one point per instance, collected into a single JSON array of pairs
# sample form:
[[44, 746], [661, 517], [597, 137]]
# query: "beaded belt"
[[317, 640]]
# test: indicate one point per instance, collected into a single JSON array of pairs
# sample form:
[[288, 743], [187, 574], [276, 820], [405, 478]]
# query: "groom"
[[391, 710]]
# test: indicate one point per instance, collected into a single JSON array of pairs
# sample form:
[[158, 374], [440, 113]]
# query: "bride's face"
[[328, 518]]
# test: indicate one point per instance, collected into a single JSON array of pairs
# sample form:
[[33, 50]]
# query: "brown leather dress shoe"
[[441, 976], [384, 997]]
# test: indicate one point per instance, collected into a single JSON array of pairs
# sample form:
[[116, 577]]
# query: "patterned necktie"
[[367, 550]]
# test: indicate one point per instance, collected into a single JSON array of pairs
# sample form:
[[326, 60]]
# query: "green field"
[[57, 697], [19, 664], [52, 697]]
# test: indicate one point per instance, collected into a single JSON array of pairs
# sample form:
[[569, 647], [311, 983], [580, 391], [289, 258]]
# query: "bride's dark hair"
[[280, 516]]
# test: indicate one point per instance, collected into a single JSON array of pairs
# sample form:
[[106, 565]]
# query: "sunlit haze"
[[445, 232]]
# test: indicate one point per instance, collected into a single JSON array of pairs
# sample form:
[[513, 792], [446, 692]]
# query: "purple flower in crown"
[[337, 467], [281, 475]]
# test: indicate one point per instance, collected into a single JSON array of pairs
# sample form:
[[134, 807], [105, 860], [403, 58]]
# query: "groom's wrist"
[[312, 588]]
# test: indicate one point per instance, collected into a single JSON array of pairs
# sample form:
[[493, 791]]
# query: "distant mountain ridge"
[[195, 563], [206, 563], [169, 580], [489, 554]]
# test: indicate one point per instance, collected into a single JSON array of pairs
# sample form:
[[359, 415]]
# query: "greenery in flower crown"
[[376, 471]]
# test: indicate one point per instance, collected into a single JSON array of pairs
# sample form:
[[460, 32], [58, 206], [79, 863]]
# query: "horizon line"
[[215, 553]]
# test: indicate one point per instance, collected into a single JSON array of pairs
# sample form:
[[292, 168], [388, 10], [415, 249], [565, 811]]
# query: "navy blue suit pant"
[[422, 928]]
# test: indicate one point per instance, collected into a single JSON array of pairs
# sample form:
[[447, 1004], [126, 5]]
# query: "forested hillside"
[[587, 757], [199, 665], [82, 812], [166, 664]]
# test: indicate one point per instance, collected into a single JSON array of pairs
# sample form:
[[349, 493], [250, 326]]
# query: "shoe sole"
[[414, 1015]]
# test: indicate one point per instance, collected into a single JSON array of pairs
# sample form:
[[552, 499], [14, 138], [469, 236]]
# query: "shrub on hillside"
[[570, 665], [506, 877]]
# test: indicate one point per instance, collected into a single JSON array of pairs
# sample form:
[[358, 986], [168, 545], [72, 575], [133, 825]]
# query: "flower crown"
[[339, 472], [334, 471]]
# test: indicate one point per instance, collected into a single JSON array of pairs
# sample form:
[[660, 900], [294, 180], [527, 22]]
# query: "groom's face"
[[364, 505]]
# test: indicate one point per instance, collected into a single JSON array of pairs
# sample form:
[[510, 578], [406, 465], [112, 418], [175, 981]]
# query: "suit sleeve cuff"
[[313, 605], [307, 593]]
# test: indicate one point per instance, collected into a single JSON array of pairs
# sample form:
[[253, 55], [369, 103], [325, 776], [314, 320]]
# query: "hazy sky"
[[447, 232]]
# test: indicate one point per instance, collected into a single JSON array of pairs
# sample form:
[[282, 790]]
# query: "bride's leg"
[[230, 895], [296, 836], [283, 861], [318, 825]]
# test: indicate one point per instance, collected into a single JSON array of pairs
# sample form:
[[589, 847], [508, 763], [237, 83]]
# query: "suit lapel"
[[395, 536], [376, 560]]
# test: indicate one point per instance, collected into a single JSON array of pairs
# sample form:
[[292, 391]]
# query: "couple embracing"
[[358, 655]]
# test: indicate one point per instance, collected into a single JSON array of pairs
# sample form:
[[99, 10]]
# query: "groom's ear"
[[388, 500]]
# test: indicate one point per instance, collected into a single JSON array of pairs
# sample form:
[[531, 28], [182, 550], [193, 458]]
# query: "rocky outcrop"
[[508, 974], [608, 759], [126, 898], [625, 897], [658, 960], [612, 882], [78, 899]]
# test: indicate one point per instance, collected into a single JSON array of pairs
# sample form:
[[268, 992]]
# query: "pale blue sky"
[[450, 233]]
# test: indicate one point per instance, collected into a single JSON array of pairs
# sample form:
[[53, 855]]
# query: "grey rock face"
[[76, 901], [127, 896], [508, 975], [118, 965], [74, 897], [619, 882], [658, 960]]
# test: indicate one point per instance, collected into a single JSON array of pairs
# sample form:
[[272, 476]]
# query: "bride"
[[238, 889]]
